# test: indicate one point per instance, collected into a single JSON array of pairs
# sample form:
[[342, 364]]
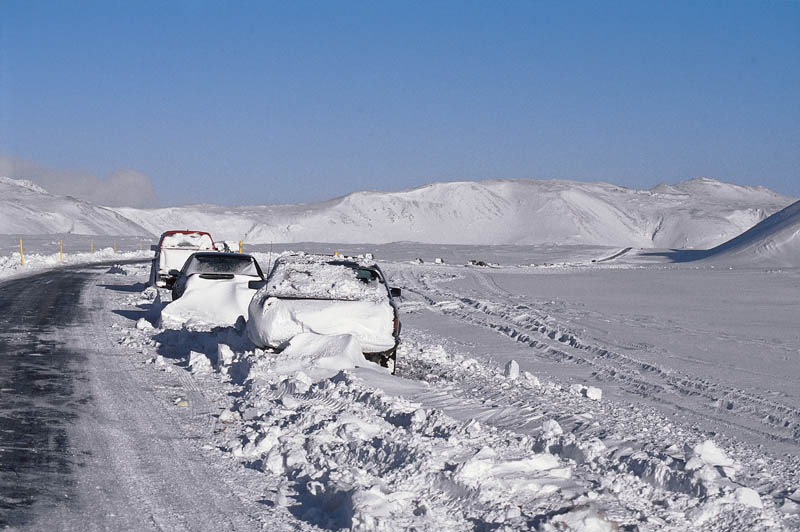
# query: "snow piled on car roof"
[[323, 277]]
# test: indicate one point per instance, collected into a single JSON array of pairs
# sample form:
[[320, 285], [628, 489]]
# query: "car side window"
[[365, 275]]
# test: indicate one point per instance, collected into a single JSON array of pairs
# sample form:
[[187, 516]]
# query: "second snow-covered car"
[[212, 290], [207, 267], [327, 295]]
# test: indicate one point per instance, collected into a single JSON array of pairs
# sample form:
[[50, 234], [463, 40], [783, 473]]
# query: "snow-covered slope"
[[26, 208], [774, 241], [699, 213]]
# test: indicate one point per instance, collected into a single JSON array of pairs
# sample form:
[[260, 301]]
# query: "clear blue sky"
[[264, 102]]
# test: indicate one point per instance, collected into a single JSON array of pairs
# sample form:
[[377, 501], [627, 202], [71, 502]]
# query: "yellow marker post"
[[240, 246], [115, 247], [91, 245], [21, 258], [61, 250]]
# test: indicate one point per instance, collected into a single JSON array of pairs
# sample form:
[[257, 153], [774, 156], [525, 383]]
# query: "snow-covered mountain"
[[26, 209], [775, 240], [700, 213]]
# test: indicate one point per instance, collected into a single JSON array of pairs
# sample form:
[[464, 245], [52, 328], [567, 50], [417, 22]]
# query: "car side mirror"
[[174, 273], [153, 247], [395, 292], [255, 285]]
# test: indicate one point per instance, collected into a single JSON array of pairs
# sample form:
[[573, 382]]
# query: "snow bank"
[[10, 265], [773, 241], [314, 354], [579, 519], [363, 460]]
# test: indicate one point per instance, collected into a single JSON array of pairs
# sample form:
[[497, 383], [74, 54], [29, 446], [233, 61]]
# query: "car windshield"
[[188, 241], [219, 263], [337, 280]]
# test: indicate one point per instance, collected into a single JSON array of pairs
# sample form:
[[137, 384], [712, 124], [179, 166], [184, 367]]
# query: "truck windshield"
[[188, 241]]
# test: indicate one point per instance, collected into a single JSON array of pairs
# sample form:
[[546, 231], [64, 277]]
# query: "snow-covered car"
[[172, 250], [204, 268], [326, 295], [212, 290]]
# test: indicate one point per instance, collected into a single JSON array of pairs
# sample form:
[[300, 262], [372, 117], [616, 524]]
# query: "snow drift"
[[209, 303], [774, 241], [319, 355]]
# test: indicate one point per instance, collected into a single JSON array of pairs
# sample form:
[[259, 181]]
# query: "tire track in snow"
[[601, 437], [551, 340]]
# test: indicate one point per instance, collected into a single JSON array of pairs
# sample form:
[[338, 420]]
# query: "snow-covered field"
[[543, 392]]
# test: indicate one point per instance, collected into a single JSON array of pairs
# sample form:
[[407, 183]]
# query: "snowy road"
[[41, 394], [85, 443]]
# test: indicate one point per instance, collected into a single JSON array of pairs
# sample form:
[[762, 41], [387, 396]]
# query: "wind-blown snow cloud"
[[122, 188]]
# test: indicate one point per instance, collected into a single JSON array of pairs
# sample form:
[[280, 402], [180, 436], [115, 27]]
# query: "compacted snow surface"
[[524, 399]]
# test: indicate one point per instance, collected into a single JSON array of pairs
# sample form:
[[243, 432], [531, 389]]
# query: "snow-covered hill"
[[775, 241], [700, 213], [694, 214], [26, 209]]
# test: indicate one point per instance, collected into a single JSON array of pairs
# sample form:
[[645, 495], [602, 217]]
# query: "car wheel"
[[390, 362]]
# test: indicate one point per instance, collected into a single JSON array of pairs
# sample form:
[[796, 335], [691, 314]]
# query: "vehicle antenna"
[[269, 268]]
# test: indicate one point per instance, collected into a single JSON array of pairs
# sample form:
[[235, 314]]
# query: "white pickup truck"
[[172, 250]]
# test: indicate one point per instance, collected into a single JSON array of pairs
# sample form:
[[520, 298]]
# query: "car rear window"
[[188, 241], [218, 263], [332, 280]]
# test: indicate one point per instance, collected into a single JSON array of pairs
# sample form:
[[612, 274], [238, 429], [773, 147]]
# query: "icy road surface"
[[87, 442], [594, 397]]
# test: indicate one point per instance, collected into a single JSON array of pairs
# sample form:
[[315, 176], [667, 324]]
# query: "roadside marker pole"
[[91, 245], [21, 258], [61, 250], [240, 246], [115, 247]]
